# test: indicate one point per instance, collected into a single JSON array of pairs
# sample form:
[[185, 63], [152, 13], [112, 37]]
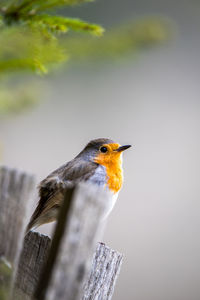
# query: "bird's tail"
[[42, 216], [35, 220], [33, 223]]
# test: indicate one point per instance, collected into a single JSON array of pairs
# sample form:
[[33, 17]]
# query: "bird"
[[99, 163]]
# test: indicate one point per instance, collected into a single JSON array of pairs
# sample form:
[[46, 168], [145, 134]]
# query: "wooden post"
[[15, 190], [32, 259], [98, 285], [103, 275], [63, 277], [57, 270]]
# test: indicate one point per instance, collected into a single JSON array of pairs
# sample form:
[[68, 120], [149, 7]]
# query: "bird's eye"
[[103, 149]]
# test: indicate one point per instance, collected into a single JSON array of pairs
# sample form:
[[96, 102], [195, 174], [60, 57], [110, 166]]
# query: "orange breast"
[[113, 163], [115, 177]]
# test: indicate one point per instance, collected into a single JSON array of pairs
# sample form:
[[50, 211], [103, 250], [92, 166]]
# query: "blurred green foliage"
[[24, 49], [17, 98], [33, 39], [5, 279], [29, 37], [120, 42]]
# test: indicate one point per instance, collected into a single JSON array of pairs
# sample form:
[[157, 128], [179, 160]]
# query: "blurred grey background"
[[152, 103]]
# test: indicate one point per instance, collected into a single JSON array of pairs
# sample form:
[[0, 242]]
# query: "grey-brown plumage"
[[51, 189]]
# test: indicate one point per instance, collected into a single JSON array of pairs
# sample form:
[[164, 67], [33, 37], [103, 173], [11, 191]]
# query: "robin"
[[100, 162]]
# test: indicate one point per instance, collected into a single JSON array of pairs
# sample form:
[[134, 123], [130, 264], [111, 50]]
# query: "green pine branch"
[[23, 49], [29, 39], [34, 39], [57, 24], [29, 7], [28, 12]]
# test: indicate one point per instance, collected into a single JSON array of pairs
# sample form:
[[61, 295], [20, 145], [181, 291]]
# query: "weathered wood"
[[15, 190], [77, 244], [103, 275], [59, 231], [68, 258], [99, 284], [33, 256]]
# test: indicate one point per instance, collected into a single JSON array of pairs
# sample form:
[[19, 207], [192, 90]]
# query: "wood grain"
[[103, 275], [33, 257], [99, 284], [81, 231], [15, 191]]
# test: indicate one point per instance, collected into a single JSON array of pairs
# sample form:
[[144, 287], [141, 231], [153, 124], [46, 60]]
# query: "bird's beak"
[[122, 148]]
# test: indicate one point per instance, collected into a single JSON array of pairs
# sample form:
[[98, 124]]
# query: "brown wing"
[[51, 189]]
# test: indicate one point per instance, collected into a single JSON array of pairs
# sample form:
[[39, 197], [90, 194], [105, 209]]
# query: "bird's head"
[[104, 151]]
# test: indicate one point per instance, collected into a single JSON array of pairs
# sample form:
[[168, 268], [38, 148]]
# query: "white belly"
[[100, 178], [111, 204]]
